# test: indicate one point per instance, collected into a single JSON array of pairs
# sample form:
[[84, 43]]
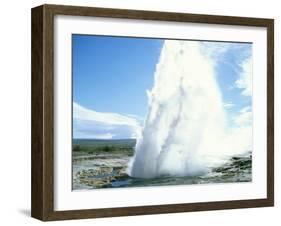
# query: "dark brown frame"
[[42, 203]]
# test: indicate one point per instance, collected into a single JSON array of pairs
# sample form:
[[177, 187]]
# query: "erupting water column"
[[186, 119]]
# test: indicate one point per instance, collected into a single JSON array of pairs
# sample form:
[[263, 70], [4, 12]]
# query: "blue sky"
[[112, 74], [229, 69]]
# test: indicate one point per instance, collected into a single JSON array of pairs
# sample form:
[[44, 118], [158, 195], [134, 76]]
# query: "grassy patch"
[[82, 146]]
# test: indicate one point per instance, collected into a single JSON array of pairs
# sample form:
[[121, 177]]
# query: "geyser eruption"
[[185, 131]]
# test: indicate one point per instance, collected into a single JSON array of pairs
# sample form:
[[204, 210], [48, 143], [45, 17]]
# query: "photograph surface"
[[153, 112]]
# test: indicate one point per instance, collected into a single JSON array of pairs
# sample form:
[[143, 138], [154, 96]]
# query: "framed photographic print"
[[141, 112]]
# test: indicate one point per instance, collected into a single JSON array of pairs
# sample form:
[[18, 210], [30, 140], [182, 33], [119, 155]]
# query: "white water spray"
[[185, 131]]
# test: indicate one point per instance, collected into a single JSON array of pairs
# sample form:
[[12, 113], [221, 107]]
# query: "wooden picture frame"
[[42, 203]]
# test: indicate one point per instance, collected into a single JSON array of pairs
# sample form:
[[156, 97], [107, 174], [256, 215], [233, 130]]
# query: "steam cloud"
[[185, 131]]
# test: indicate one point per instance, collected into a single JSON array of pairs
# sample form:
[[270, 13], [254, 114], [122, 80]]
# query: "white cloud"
[[245, 78], [80, 112], [88, 123], [214, 50], [228, 105], [244, 118], [86, 135], [245, 109]]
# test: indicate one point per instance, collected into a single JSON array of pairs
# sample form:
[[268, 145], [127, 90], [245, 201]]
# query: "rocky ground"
[[99, 170], [109, 170]]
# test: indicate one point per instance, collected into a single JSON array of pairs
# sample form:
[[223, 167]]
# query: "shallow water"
[[109, 171]]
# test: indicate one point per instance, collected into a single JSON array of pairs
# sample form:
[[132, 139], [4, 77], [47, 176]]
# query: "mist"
[[186, 131]]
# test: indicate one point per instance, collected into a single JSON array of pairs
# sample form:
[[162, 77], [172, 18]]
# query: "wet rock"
[[101, 177]]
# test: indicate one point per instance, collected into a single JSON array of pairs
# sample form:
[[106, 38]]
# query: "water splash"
[[185, 131]]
